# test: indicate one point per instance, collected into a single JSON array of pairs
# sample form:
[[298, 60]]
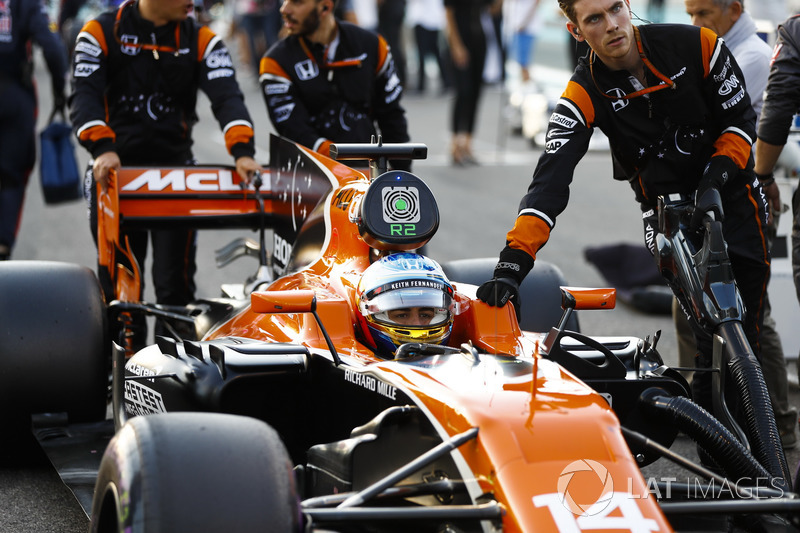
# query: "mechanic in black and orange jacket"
[[672, 102], [136, 73], [331, 81]]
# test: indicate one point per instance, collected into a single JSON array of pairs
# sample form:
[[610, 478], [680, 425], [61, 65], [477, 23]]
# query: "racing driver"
[[672, 102]]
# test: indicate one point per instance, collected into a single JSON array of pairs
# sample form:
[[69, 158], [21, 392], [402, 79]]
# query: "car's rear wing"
[[204, 197]]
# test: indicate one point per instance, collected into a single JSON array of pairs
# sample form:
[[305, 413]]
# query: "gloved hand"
[[707, 196], [511, 269]]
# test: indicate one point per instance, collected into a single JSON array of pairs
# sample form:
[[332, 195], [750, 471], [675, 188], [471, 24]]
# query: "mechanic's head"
[[606, 27], [716, 15], [313, 19], [404, 297]]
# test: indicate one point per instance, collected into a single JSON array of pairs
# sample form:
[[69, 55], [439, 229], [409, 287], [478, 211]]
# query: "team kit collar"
[[130, 8], [666, 83]]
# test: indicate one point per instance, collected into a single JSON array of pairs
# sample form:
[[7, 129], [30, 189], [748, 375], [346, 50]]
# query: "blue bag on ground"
[[58, 166]]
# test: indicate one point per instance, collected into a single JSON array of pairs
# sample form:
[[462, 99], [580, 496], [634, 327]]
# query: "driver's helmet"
[[392, 294]]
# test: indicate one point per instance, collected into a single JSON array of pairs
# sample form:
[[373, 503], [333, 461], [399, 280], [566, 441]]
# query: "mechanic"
[[21, 24], [136, 73], [781, 103], [671, 100], [729, 20], [404, 297], [331, 81]]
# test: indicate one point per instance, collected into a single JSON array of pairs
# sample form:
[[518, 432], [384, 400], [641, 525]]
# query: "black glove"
[[707, 196], [511, 269]]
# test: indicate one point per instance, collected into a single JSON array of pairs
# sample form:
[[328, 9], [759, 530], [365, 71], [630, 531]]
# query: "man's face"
[[707, 14], [171, 10], [606, 26], [301, 17], [412, 316]]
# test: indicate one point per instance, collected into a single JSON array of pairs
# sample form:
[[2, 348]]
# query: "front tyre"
[[198, 472]]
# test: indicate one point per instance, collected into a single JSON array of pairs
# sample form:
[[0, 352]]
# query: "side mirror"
[[300, 301]]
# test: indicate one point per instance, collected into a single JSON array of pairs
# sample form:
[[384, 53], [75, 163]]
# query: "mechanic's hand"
[[497, 291], [773, 196], [101, 167], [247, 167], [511, 269], [707, 196]]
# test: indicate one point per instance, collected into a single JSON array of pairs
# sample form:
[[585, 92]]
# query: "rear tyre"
[[54, 353], [198, 472], [539, 292]]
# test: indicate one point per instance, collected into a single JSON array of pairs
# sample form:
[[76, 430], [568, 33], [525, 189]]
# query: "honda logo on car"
[[180, 180]]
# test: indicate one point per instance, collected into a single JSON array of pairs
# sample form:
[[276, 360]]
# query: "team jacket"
[[20, 23], [314, 103], [660, 142], [141, 102], [782, 99]]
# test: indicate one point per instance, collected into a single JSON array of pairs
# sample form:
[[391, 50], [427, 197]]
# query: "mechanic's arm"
[[87, 103], [781, 101], [730, 105], [389, 114], [547, 196], [287, 111], [218, 82]]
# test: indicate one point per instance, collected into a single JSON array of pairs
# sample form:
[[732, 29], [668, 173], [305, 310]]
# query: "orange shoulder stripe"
[[578, 95], [270, 66], [204, 37], [383, 52], [708, 42], [528, 234], [94, 29]]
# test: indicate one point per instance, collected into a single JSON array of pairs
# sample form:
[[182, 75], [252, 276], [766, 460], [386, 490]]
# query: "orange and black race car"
[[275, 408]]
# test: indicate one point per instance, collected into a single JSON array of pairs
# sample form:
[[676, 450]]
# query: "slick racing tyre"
[[197, 472], [539, 292], [54, 355]]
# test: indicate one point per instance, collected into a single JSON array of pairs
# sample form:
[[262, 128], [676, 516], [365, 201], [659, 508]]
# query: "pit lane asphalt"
[[477, 206]]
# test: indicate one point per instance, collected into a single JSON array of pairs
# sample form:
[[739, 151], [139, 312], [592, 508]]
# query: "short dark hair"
[[568, 8]]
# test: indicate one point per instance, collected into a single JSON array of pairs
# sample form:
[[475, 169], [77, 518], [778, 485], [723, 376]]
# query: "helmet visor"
[[434, 301]]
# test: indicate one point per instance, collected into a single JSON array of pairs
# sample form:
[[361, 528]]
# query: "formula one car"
[[274, 408]]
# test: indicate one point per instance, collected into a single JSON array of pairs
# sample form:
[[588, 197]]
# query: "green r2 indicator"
[[403, 230]]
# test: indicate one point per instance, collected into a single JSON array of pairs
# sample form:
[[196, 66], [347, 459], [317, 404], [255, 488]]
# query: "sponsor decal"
[[219, 59], [619, 93], [507, 265], [735, 100], [220, 73], [306, 70], [370, 383], [84, 47], [281, 250], [128, 44], [563, 120], [276, 88], [83, 70], [728, 85], [142, 400], [775, 53], [180, 180], [559, 133], [283, 112], [724, 74], [680, 73], [554, 145]]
